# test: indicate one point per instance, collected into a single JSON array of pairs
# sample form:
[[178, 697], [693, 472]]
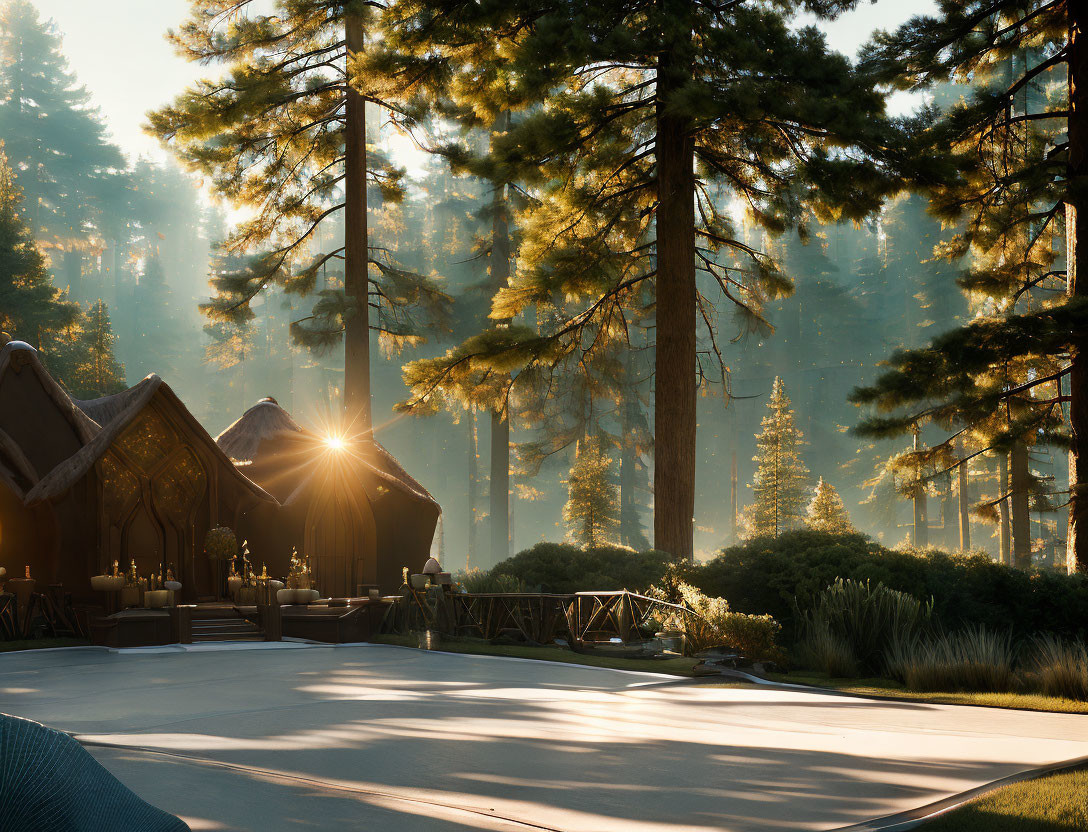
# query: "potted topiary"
[[220, 545]]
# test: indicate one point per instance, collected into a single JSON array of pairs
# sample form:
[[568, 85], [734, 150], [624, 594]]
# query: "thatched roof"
[[375, 460], [18, 355], [267, 420], [264, 420], [123, 408]]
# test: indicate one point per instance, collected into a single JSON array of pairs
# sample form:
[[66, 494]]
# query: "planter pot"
[[156, 598], [443, 578], [671, 640], [275, 586], [306, 596], [286, 597], [171, 588], [131, 596], [419, 581], [107, 583], [233, 585]]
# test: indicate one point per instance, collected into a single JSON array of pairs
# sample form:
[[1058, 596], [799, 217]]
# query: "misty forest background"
[[141, 235]]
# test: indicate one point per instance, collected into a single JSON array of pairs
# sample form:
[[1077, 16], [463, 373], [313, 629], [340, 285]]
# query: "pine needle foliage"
[[592, 512], [54, 135], [640, 120], [826, 512], [96, 371], [29, 303], [1004, 166], [269, 135], [781, 479]]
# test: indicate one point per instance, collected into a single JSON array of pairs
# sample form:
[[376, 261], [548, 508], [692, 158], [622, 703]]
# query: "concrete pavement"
[[385, 738]]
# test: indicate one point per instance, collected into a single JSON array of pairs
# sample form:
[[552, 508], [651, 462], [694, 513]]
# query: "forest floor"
[[1056, 803]]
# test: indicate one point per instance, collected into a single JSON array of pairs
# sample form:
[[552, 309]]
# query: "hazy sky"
[[117, 49]]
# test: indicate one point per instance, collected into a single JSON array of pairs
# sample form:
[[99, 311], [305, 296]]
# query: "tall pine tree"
[[781, 480], [648, 103], [29, 303], [1009, 162], [284, 132], [55, 140]]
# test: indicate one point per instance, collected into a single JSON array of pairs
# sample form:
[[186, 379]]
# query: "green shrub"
[[972, 659], [753, 636], [765, 575], [868, 619], [1058, 667], [563, 568]]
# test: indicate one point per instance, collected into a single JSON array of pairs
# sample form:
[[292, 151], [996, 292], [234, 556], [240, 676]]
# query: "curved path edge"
[[912, 818]]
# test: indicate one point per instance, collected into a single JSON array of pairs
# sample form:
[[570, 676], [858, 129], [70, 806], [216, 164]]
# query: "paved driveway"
[[384, 738]]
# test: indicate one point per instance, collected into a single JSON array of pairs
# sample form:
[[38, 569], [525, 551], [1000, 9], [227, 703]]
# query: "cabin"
[[344, 502], [134, 476]]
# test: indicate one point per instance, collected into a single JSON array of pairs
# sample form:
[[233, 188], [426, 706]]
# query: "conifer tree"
[[592, 509], [55, 138], [29, 303], [826, 512], [1008, 163], [648, 104], [781, 479], [284, 133], [96, 371]]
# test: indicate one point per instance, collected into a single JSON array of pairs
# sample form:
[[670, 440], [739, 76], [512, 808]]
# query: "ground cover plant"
[[1056, 803]]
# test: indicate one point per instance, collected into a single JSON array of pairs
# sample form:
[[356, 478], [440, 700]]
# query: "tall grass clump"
[[972, 659], [826, 652], [1058, 667], [483, 581], [852, 619]]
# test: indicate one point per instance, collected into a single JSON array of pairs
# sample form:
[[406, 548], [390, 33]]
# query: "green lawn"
[[887, 687], [1058, 803], [41, 644], [674, 667]]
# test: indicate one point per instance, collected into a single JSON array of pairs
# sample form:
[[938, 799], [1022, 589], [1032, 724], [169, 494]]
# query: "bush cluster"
[[775, 575], [563, 567]]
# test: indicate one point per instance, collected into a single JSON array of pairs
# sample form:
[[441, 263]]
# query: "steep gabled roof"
[[124, 408], [18, 355], [265, 419]]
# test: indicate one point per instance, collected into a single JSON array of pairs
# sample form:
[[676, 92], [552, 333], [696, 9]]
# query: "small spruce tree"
[[826, 512], [97, 371], [781, 480], [592, 509]]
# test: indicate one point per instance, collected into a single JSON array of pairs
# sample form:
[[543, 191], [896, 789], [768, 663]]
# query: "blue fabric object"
[[49, 783]]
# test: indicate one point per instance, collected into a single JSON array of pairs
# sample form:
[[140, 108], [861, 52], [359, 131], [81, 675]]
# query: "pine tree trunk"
[[734, 535], [500, 422], [964, 502], [628, 461], [920, 529], [1021, 519], [1076, 210], [500, 488], [357, 398], [1005, 528], [473, 475], [674, 396]]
